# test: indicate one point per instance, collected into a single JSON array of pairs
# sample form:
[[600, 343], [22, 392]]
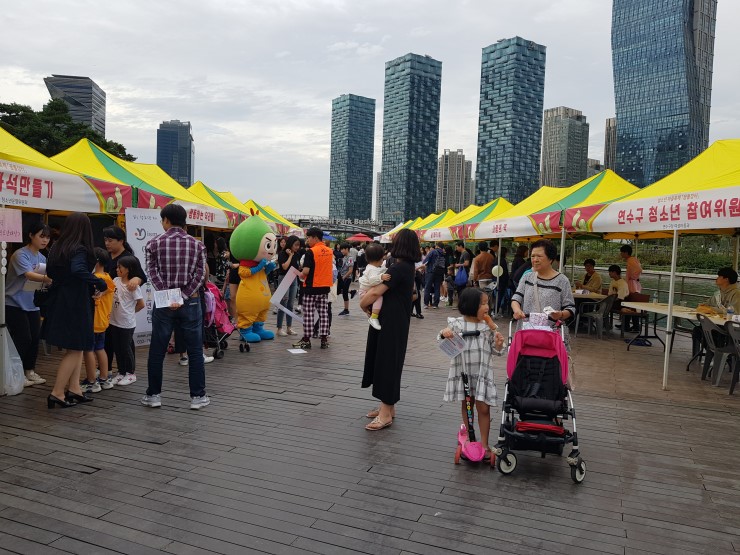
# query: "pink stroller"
[[218, 326], [536, 401]]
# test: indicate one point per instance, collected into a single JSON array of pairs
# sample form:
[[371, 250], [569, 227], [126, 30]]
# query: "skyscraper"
[[377, 195], [351, 166], [83, 97], [453, 181], [662, 56], [594, 167], [176, 151], [610, 144], [512, 90], [410, 137], [564, 147]]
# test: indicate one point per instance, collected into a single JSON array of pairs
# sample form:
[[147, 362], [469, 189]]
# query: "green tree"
[[52, 130]]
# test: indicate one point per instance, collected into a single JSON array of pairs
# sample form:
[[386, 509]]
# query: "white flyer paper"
[[452, 346], [167, 297]]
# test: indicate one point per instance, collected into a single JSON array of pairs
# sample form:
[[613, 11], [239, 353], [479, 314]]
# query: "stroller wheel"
[[578, 471], [218, 354], [458, 452], [506, 463], [241, 347], [224, 344]]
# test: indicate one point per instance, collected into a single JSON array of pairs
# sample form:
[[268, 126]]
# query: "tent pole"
[[573, 262], [562, 250], [669, 321], [498, 279]]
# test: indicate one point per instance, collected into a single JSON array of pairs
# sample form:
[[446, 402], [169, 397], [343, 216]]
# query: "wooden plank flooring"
[[280, 463]]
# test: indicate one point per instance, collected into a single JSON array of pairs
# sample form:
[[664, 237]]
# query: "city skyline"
[[176, 151], [83, 97], [564, 147], [256, 79]]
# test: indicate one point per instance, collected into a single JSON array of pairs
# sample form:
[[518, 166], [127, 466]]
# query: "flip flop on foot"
[[376, 412], [378, 424]]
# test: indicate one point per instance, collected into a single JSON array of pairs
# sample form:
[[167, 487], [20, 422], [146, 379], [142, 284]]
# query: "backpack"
[[440, 264]]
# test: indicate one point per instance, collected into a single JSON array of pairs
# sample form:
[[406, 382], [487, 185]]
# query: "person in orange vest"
[[316, 278]]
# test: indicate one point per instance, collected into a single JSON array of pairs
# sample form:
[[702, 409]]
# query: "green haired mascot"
[[253, 245]]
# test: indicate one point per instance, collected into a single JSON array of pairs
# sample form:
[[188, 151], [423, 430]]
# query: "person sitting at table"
[[591, 280], [728, 295], [618, 286]]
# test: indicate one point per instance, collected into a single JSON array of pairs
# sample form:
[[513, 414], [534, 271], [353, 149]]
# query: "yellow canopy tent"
[[387, 237], [463, 225], [235, 214], [30, 180], [433, 221], [275, 220]]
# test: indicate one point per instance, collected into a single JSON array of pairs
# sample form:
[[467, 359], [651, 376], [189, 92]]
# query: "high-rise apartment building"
[[410, 137], [84, 98], [176, 151], [512, 90], [453, 181], [564, 147], [662, 56], [610, 144], [594, 167], [351, 166], [377, 195]]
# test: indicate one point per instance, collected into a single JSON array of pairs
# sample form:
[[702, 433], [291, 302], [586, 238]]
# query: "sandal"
[[378, 424], [487, 455], [376, 412]]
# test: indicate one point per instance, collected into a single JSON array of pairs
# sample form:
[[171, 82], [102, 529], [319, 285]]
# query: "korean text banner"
[[705, 209], [31, 187]]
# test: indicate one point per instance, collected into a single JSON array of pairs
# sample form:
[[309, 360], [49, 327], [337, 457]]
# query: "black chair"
[[733, 330], [596, 313], [718, 343]]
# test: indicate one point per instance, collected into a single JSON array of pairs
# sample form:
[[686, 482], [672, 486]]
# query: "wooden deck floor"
[[280, 463]]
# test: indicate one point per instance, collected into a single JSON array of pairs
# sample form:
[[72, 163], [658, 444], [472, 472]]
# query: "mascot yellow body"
[[253, 244]]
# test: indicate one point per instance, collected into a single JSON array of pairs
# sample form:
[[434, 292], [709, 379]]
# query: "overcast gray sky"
[[256, 78]]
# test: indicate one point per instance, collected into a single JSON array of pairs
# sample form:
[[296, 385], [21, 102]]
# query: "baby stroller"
[[536, 401], [218, 327]]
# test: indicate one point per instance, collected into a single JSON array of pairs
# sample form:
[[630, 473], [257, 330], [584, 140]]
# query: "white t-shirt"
[[123, 314]]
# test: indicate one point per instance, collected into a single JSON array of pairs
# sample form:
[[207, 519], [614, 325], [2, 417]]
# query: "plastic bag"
[[13, 369]]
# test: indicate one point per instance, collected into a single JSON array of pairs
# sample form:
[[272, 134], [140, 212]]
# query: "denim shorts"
[[99, 341]]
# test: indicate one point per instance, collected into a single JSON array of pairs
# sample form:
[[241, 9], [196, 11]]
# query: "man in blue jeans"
[[175, 259]]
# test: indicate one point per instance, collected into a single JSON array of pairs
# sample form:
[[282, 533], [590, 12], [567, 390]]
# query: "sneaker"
[[117, 378], [128, 379], [90, 387], [27, 382], [324, 343], [302, 344], [374, 323], [35, 378], [291, 332], [345, 312], [199, 402], [106, 384], [153, 401], [207, 359], [352, 293], [298, 309], [281, 333], [183, 361]]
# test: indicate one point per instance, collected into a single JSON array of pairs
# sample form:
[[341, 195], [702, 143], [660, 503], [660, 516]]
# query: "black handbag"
[[41, 299]]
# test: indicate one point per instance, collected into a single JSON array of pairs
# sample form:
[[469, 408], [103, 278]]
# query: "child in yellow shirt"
[[103, 307]]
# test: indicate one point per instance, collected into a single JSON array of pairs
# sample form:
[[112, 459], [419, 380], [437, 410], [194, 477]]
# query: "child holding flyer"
[[475, 360], [103, 307], [123, 320], [373, 275]]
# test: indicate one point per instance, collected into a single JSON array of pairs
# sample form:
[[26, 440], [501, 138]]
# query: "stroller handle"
[[474, 333]]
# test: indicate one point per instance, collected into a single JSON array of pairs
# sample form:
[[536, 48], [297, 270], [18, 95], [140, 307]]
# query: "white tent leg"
[[669, 321], [562, 251], [498, 279], [573, 262]]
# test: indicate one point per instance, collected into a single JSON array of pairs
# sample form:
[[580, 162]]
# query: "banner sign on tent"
[[142, 226], [11, 226], [706, 209], [29, 186], [199, 214]]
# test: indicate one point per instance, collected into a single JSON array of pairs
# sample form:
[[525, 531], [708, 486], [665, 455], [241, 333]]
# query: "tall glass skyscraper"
[[610, 144], [410, 137], [351, 166], [84, 98], [564, 147], [176, 151], [662, 56], [512, 90]]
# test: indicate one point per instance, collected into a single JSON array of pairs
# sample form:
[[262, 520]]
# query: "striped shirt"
[[554, 292], [175, 259]]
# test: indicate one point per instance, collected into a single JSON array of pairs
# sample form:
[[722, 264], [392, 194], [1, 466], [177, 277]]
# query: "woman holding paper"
[[27, 272], [287, 259], [69, 317]]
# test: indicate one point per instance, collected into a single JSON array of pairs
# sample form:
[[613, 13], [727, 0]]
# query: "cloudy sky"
[[256, 78]]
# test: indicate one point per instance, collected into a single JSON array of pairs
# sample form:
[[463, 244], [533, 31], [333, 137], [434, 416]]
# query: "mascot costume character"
[[253, 244]]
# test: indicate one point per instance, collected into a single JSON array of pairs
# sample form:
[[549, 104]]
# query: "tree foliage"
[[52, 130]]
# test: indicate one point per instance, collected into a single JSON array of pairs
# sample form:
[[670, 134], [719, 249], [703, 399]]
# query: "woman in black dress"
[[386, 348], [69, 315]]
